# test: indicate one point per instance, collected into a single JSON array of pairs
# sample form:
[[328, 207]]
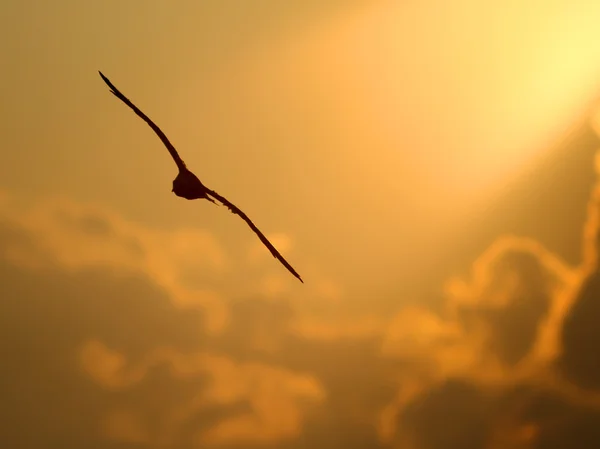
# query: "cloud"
[[510, 361], [457, 412], [273, 395], [106, 344], [76, 237], [579, 361]]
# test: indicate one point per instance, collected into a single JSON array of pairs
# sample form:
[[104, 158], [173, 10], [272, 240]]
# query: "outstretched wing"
[[260, 235], [117, 93]]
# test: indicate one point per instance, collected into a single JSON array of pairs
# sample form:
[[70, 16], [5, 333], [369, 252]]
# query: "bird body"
[[187, 185]]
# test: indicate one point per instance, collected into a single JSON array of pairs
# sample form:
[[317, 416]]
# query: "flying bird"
[[187, 185]]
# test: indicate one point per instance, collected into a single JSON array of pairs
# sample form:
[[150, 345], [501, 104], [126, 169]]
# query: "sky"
[[430, 168]]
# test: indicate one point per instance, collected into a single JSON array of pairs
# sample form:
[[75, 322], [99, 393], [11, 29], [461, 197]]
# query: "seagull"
[[187, 185]]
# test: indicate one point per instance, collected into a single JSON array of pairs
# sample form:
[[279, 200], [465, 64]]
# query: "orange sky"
[[384, 146]]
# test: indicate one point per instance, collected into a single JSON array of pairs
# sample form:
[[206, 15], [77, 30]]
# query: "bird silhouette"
[[187, 185]]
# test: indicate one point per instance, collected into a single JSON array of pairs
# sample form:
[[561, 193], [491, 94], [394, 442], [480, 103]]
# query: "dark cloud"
[[451, 416], [515, 327], [358, 381], [257, 328], [513, 303], [458, 414], [580, 360], [574, 427], [555, 421], [45, 316]]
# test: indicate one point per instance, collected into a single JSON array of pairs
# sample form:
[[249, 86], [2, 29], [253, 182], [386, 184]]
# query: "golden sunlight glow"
[[478, 99], [404, 155]]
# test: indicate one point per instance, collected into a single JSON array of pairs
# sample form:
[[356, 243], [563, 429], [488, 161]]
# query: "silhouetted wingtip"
[[107, 81], [295, 274]]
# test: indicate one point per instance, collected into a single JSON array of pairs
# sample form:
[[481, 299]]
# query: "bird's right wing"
[[233, 208], [117, 93]]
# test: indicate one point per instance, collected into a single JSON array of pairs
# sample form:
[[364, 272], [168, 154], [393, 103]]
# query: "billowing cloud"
[[75, 237], [579, 360], [272, 395], [106, 343], [510, 361]]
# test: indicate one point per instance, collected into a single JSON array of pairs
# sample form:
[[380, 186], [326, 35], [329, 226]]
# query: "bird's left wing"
[[260, 235], [117, 93]]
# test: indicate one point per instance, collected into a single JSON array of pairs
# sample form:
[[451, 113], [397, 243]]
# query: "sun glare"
[[509, 89]]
